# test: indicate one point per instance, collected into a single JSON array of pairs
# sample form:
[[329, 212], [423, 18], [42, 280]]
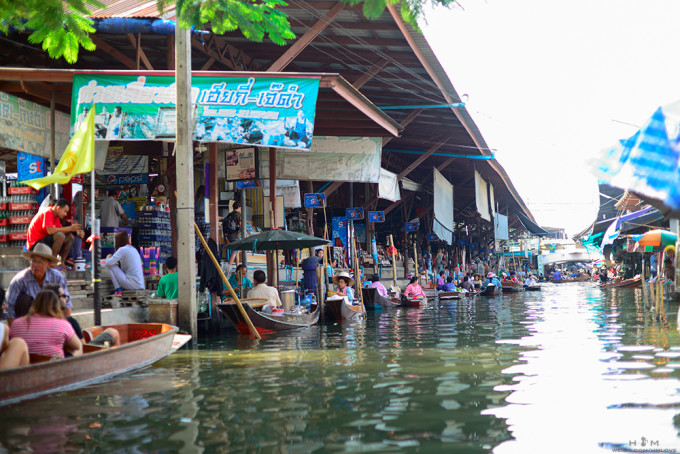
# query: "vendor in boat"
[[530, 281], [262, 290], [26, 285], [450, 286], [167, 285], [376, 284], [309, 266], [556, 276], [491, 279], [467, 284], [441, 280], [477, 280], [13, 353], [238, 280], [125, 265], [45, 329], [344, 283], [413, 289]]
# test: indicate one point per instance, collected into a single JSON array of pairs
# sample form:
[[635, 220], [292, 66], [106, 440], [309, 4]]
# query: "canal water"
[[570, 369]]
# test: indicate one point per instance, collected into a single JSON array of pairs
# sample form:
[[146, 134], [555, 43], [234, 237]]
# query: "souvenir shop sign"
[[29, 166], [315, 200], [354, 214], [257, 110], [376, 216], [25, 126]]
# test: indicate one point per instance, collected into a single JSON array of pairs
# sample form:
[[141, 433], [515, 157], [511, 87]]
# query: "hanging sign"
[[29, 166], [376, 216], [315, 200], [411, 226], [241, 164], [248, 184], [432, 237], [354, 214], [264, 110]]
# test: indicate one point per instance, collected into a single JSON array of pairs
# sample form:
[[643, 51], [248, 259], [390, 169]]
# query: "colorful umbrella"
[[657, 239]]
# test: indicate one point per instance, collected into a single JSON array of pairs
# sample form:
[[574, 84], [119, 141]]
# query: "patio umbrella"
[[658, 239], [276, 239], [647, 162]]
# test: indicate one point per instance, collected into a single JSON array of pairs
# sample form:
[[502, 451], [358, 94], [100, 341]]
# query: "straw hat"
[[41, 250], [344, 274]]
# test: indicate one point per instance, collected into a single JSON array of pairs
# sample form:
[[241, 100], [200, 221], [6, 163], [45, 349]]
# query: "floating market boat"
[[142, 344], [267, 322], [339, 310], [511, 287], [374, 300], [491, 290], [626, 283]]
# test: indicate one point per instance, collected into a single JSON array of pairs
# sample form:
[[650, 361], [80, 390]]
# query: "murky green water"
[[569, 369]]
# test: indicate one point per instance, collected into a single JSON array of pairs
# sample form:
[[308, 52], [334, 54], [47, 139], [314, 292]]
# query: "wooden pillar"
[[213, 188], [310, 211], [186, 242], [272, 265], [405, 247]]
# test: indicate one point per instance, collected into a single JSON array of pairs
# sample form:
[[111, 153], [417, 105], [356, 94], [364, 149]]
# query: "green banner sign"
[[256, 110]]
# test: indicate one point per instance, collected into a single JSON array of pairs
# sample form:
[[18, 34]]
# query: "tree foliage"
[[63, 26]]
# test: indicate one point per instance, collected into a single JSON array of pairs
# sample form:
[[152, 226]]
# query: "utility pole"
[[186, 240]]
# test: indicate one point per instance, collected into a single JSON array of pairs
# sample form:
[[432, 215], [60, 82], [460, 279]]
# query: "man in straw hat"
[[344, 283], [29, 282]]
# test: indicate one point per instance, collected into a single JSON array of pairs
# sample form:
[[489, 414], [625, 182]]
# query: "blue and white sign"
[[248, 184], [29, 166], [123, 179], [315, 200], [432, 237], [376, 216], [411, 226], [354, 214]]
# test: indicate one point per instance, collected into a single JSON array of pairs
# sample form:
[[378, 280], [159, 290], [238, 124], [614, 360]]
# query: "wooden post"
[[241, 309], [214, 194], [357, 283], [394, 264], [415, 258], [274, 273], [53, 146], [186, 242]]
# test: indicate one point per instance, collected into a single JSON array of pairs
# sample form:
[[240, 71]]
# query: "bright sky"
[[551, 83]]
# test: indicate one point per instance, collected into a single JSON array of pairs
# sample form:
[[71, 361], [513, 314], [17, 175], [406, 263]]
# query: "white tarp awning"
[[442, 223], [501, 231], [482, 197], [388, 186]]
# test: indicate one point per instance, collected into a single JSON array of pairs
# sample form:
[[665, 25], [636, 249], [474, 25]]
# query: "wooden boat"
[[491, 290], [511, 287], [413, 301], [266, 322], [430, 292], [339, 310], [532, 288], [142, 344], [446, 295], [582, 278], [626, 283], [374, 300]]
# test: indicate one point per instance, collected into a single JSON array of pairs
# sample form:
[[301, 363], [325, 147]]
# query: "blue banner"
[[315, 200], [248, 184], [277, 111], [411, 226], [29, 166], [339, 226], [354, 214], [432, 237], [376, 216]]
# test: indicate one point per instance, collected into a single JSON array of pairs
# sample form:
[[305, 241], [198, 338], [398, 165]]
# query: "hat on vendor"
[[41, 250], [423, 272], [490, 274], [344, 274]]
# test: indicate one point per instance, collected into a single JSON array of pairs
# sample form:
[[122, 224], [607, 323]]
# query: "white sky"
[[546, 79]]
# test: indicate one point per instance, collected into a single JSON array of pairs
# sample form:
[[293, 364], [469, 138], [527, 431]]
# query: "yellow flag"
[[77, 158]]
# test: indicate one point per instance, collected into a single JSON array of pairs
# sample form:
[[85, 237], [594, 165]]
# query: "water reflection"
[[568, 369]]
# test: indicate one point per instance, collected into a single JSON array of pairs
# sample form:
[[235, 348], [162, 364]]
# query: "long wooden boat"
[[626, 283], [446, 295], [491, 290], [511, 287], [142, 344], [413, 301], [430, 292], [532, 288], [582, 278], [374, 300], [340, 311], [263, 322]]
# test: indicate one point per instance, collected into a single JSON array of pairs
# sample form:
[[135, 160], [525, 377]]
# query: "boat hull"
[[450, 295], [413, 302], [491, 290], [627, 283], [142, 344], [374, 300], [340, 311], [267, 323]]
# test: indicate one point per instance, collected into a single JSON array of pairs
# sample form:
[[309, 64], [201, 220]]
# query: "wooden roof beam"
[[311, 34], [421, 158], [137, 45], [368, 75], [118, 55]]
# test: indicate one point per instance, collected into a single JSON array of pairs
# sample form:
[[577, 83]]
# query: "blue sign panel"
[[128, 178], [462, 242], [29, 166], [432, 237], [411, 226], [376, 216], [354, 214], [315, 200], [339, 225], [248, 184]]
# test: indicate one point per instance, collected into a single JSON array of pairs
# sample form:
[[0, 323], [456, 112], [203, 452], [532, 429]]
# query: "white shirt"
[[130, 262], [110, 212], [265, 291]]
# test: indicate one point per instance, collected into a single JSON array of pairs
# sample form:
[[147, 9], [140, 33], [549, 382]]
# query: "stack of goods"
[[150, 260], [17, 211], [154, 232]]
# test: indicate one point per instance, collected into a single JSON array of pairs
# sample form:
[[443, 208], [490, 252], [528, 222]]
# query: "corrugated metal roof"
[[130, 8]]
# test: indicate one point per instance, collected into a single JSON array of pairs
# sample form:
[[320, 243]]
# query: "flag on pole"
[[77, 158]]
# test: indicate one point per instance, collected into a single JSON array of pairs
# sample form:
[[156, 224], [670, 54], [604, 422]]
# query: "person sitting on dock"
[[344, 283], [125, 265], [46, 228], [26, 285], [167, 285], [238, 280], [45, 330], [13, 353], [376, 284], [413, 289], [262, 290]]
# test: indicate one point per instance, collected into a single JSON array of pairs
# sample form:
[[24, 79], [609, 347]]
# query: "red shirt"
[[37, 229]]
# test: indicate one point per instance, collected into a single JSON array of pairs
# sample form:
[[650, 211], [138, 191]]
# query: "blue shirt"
[[24, 282]]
